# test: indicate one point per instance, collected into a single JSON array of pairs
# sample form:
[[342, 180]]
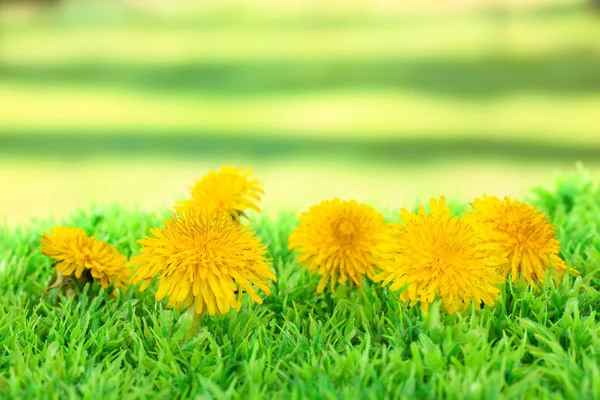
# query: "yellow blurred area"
[[424, 37], [351, 114], [386, 102], [57, 191]]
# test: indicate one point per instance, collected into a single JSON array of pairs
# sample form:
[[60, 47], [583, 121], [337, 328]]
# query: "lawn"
[[355, 343], [263, 73], [101, 104], [105, 107]]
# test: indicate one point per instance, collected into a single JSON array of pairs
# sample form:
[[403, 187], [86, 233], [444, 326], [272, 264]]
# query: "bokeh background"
[[388, 102]]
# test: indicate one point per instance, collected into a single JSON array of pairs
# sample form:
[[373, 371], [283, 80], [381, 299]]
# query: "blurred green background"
[[385, 102]]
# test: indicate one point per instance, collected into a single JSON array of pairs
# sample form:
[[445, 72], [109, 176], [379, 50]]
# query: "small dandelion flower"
[[76, 254], [523, 235], [203, 259], [335, 238], [230, 190], [437, 256]]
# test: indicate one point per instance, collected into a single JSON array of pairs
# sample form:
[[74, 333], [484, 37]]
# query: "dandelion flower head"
[[437, 256], [230, 190], [335, 238], [204, 260], [522, 233], [75, 252]]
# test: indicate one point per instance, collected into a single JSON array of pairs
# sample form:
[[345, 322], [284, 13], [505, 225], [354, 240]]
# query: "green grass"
[[262, 72], [360, 343], [352, 84]]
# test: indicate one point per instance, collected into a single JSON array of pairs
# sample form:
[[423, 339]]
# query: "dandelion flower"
[[335, 238], [230, 190], [202, 259], [77, 254], [437, 256], [523, 234]]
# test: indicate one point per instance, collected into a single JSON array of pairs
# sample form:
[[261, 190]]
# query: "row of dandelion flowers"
[[205, 258]]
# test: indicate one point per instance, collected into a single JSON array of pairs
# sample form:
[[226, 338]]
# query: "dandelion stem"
[[196, 324]]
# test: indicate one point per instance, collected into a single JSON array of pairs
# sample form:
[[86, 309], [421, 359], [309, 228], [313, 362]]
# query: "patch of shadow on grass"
[[401, 151], [562, 73]]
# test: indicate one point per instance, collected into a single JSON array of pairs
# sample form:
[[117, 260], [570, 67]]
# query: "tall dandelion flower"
[[335, 238], [437, 256], [203, 259], [76, 254], [523, 235], [230, 190]]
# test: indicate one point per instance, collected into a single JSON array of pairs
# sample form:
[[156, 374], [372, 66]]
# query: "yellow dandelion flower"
[[523, 235], [76, 253], [437, 256], [335, 238], [230, 190], [202, 259]]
